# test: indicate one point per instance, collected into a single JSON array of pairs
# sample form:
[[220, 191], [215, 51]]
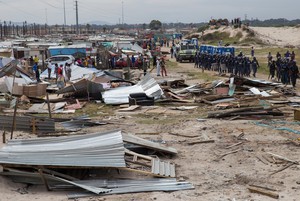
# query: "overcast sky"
[[143, 11]]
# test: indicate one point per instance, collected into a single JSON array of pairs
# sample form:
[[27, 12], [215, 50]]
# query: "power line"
[[77, 27], [18, 9], [45, 2]]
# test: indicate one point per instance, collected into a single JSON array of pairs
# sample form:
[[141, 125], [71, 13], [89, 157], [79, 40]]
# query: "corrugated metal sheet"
[[78, 124], [120, 95], [29, 124], [93, 150], [35, 178], [135, 186], [101, 186], [162, 168], [9, 68], [129, 138]]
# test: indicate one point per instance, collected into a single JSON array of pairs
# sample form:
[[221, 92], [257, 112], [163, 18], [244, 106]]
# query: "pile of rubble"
[[87, 162], [98, 163]]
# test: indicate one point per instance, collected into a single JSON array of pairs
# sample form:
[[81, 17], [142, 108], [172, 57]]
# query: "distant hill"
[[272, 22]]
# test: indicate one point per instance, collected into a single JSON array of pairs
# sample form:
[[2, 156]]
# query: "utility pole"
[[122, 13], [77, 27], [46, 16], [64, 16]]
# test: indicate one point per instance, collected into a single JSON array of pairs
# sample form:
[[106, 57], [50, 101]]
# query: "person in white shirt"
[[49, 67], [158, 66]]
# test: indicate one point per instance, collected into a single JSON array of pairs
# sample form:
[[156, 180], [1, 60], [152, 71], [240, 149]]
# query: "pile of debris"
[[87, 162], [238, 98]]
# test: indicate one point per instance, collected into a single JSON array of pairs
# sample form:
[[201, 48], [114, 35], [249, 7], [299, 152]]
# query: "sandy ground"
[[281, 36], [275, 36], [215, 178]]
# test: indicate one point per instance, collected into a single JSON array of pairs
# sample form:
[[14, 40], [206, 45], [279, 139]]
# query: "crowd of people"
[[239, 65], [283, 67], [62, 71], [86, 62]]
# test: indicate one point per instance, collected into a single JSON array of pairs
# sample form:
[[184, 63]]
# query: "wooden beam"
[[44, 180], [263, 192]]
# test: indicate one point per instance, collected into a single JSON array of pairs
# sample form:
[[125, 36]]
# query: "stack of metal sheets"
[[94, 150]]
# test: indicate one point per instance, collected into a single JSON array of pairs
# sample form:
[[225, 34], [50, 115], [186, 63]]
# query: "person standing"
[[132, 61], [269, 57], [154, 60], [293, 55], [172, 52], [26, 65], [31, 61], [68, 72], [36, 59], [56, 71], [294, 71], [35, 69], [255, 65], [163, 67], [158, 66], [252, 52], [272, 68], [60, 79], [145, 66], [49, 68], [128, 61]]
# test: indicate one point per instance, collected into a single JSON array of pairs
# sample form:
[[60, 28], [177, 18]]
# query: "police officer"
[[255, 65], [294, 71]]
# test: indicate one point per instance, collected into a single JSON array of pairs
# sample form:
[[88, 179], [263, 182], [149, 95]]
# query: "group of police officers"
[[285, 68]]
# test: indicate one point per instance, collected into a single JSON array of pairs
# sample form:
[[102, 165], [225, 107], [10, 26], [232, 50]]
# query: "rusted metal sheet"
[[28, 124]]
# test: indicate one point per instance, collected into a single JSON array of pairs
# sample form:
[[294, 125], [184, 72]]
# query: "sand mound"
[[280, 36], [275, 36]]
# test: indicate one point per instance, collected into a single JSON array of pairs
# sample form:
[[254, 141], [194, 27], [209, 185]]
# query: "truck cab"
[[187, 52]]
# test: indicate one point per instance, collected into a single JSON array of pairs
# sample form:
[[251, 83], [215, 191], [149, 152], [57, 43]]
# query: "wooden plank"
[[201, 142], [130, 108], [146, 143], [281, 169], [138, 155], [283, 158], [263, 192], [237, 144], [175, 96], [182, 135]]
